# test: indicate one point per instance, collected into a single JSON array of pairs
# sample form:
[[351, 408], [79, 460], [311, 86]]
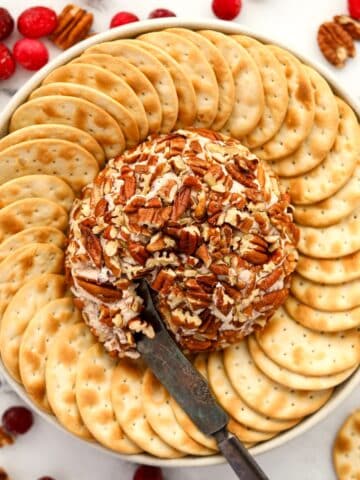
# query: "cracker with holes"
[[39, 186], [196, 68], [37, 342], [308, 352], [32, 296], [154, 70], [249, 93], [321, 138], [346, 449], [93, 396], [265, 395], [61, 370], [135, 79], [76, 112], [126, 396], [60, 132]]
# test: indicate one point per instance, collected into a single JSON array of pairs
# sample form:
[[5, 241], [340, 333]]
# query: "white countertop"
[[47, 451]]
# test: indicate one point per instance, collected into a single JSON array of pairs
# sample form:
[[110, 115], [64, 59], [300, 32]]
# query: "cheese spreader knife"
[[190, 389]]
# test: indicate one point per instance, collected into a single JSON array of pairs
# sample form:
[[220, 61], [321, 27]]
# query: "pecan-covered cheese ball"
[[203, 220]]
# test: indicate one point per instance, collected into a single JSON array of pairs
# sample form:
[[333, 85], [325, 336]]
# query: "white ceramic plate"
[[133, 30]]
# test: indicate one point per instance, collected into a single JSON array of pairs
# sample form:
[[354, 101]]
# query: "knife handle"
[[238, 457]]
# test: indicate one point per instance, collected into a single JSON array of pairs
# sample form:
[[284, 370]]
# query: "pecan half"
[[349, 24], [335, 43], [105, 293], [74, 25]]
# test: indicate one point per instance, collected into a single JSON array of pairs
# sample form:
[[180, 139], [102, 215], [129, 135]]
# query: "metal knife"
[[190, 389]]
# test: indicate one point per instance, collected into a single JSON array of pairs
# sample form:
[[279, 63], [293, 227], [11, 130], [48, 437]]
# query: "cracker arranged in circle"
[[332, 209], [300, 113], [265, 395], [228, 398], [346, 456], [128, 406], [33, 186], [37, 341], [32, 235], [123, 117], [330, 298], [321, 138], [335, 241], [246, 435], [276, 96], [336, 168], [93, 397], [60, 132], [333, 271], [154, 70], [31, 212], [156, 401], [61, 158], [308, 352], [107, 83], [135, 79], [249, 93], [61, 370], [320, 320], [196, 67], [75, 112], [32, 296], [291, 379], [25, 263], [222, 72]]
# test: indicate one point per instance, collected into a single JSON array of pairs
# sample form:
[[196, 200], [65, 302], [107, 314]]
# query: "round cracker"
[[93, 397], [308, 352], [60, 373], [61, 132], [75, 112], [37, 341], [155, 72], [336, 168], [322, 321], [346, 449], [235, 406], [290, 379], [34, 186], [25, 263], [331, 242], [32, 235], [61, 158], [135, 79], [300, 113], [222, 72], [333, 209], [322, 135], [276, 96], [156, 401], [123, 117], [25, 303], [246, 435], [107, 83], [265, 395], [128, 406], [249, 93], [31, 212], [333, 271], [330, 298]]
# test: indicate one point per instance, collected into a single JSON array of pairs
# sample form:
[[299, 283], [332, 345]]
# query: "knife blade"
[[190, 389]]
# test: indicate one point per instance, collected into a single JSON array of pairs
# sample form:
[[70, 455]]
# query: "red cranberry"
[[17, 420], [354, 9], [31, 53], [226, 9], [161, 12], [122, 18], [6, 23], [7, 63], [145, 472], [36, 22]]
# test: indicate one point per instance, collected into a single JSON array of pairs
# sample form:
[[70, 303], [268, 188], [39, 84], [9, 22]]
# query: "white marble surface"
[[47, 451]]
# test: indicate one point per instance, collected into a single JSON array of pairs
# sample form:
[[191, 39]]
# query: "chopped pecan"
[[349, 24], [74, 25], [203, 253], [188, 241], [138, 252], [269, 281], [335, 43], [5, 439], [92, 245], [164, 281], [255, 257], [105, 293], [182, 203]]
